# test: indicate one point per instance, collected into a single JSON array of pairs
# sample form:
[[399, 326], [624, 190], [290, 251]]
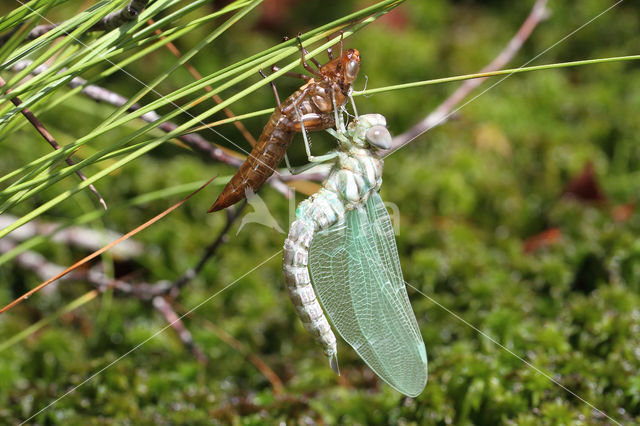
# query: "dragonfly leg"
[[330, 49], [304, 60], [292, 74], [339, 118], [316, 160], [301, 169], [341, 132], [307, 145], [286, 161], [275, 91], [296, 102], [353, 104], [305, 51]]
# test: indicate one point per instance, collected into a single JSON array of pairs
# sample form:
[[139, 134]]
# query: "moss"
[[470, 193]]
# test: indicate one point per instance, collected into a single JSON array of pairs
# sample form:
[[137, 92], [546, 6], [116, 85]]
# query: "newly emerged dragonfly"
[[313, 105], [342, 246]]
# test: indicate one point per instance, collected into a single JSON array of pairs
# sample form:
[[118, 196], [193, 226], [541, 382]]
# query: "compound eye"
[[379, 137], [351, 72]]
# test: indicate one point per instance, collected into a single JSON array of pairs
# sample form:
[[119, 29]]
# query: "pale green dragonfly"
[[342, 248]]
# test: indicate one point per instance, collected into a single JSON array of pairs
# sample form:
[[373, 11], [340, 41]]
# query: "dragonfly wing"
[[357, 276]]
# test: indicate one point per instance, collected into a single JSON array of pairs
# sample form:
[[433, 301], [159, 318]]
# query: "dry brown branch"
[[176, 323], [210, 250], [77, 236], [143, 291], [85, 260], [538, 13], [193, 140], [50, 139], [33, 261], [43, 269]]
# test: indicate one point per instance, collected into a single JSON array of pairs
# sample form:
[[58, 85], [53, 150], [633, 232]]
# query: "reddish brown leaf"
[[541, 240], [585, 186], [622, 212], [274, 14], [397, 19]]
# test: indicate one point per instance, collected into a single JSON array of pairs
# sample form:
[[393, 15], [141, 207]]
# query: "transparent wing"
[[357, 276]]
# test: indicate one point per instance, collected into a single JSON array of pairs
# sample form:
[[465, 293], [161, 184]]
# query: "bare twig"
[[33, 261], [310, 176], [42, 268], [210, 250], [39, 30], [193, 140], [142, 291], [97, 253], [176, 323], [538, 13], [156, 293], [100, 94], [110, 22], [49, 138], [77, 236], [120, 17]]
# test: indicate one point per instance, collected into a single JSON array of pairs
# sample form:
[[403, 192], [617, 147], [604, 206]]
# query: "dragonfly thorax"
[[357, 173]]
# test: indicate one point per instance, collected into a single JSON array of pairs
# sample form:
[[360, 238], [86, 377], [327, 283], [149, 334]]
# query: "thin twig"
[[309, 176], [49, 138], [110, 22], [148, 292], [77, 236], [41, 267], [33, 261], [193, 140], [44, 269], [538, 13], [210, 250], [97, 253], [176, 323], [120, 17], [100, 94]]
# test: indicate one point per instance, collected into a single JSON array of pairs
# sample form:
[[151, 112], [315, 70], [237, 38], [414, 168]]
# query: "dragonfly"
[[314, 107], [342, 248]]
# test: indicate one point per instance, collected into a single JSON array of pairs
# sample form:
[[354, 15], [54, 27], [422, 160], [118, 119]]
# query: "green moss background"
[[470, 194]]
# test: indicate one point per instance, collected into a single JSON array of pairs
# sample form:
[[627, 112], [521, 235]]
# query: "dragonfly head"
[[370, 129]]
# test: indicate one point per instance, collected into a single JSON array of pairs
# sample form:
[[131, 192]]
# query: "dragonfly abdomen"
[[301, 293], [346, 186], [320, 211], [260, 164]]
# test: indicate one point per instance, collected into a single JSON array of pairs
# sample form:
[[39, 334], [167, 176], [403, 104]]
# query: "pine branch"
[[50, 139]]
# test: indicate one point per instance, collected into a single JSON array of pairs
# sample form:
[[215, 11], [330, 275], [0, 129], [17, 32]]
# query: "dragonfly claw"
[[333, 362]]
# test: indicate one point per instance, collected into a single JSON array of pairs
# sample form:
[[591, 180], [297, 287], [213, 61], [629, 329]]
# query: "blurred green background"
[[517, 215]]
